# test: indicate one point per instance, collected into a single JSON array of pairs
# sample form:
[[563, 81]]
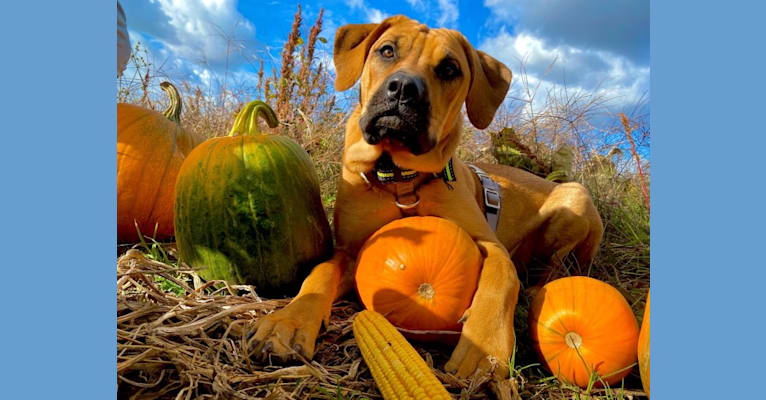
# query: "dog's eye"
[[387, 51], [447, 71]]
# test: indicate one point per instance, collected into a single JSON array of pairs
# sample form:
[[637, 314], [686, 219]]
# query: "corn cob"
[[395, 365]]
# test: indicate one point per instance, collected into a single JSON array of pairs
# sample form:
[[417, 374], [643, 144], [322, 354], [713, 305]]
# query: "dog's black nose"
[[405, 88]]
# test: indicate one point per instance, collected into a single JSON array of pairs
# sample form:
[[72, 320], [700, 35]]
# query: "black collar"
[[387, 172]]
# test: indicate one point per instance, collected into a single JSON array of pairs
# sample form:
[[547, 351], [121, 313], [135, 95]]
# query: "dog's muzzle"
[[399, 111]]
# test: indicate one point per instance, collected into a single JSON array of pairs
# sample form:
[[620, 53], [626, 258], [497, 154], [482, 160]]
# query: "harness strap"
[[492, 198]]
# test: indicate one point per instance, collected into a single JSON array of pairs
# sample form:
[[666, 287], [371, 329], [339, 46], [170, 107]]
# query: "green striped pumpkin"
[[248, 209]]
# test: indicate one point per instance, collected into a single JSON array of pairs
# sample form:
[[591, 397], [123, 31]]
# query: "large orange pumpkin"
[[150, 150], [579, 326], [420, 272], [643, 349]]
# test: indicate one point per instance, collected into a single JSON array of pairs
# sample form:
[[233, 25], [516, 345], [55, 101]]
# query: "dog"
[[413, 83]]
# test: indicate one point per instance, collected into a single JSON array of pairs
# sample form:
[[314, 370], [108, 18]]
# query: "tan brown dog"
[[414, 81]]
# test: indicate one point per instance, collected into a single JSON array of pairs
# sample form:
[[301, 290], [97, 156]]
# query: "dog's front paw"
[[290, 330], [484, 344]]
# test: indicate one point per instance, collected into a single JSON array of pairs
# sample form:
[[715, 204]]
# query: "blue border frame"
[[707, 87], [58, 176], [58, 168]]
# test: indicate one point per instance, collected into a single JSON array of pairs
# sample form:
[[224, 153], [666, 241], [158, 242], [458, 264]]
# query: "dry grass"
[[189, 343], [192, 344], [178, 341]]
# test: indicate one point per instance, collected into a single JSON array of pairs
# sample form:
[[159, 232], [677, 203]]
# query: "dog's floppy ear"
[[352, 43], [490, 80]]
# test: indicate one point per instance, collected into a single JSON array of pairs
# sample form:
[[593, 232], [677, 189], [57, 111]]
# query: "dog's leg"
[[295, 327], [488, 322], [571, 224], [358, 215]]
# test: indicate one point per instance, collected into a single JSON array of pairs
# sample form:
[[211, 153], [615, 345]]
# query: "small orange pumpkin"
[[580, 325], [420, 272], [150, 150], [643, 349]]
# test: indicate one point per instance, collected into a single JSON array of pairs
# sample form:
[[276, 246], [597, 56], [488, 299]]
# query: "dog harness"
[[405, 192], [491, 196]]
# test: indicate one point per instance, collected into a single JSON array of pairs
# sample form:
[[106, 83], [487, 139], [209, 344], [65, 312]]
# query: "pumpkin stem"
[[247, 119], [426, 291], [173, 112], [573, 339]]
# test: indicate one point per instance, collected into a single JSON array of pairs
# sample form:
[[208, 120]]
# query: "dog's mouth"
[[391, 127], [398, 126]]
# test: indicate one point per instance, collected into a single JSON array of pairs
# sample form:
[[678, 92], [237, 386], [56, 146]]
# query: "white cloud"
[[617, 26], [208, 31], [552, 66], [375, 15], [444, 13], [595, 49], [448, 13], [437, 13], [372, 14], [204, 75], [166, 65], [355, 4]]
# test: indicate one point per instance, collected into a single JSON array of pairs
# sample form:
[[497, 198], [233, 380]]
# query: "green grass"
[[155, 251]]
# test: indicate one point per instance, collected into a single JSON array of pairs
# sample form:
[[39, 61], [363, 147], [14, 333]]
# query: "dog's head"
[[414, 81]]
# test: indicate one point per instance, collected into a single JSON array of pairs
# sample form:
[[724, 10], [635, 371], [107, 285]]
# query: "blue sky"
[[599, 46]]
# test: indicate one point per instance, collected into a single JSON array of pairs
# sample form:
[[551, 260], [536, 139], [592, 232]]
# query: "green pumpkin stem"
[[247, 119], [173, 112]]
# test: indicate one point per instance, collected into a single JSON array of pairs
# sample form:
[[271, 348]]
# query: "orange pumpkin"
[[150, 150], [643, 349], [420, 272], [579, 326]]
